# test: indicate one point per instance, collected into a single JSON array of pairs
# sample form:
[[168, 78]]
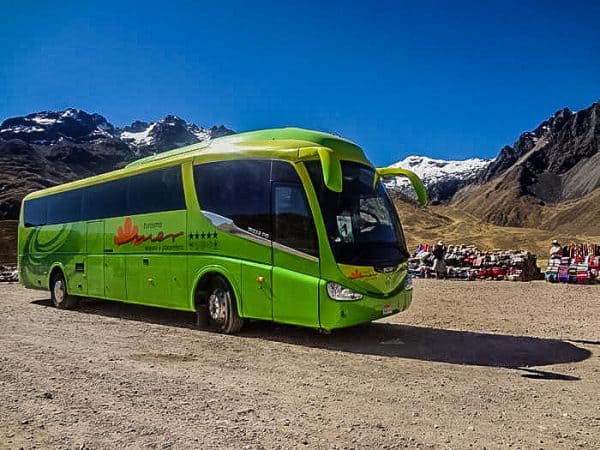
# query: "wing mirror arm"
[[330, 164], [414, 179]]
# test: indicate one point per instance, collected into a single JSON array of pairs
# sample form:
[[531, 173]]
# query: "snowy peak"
[[137, 134], [441, 177], [432, 170], [75, 126], [51, 127], [167, 133]]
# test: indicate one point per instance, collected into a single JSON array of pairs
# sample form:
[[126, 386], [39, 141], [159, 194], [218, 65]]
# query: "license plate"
[[387, 309]]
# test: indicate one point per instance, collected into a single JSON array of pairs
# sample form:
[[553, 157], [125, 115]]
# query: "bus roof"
[[255, 143], [284, 143]]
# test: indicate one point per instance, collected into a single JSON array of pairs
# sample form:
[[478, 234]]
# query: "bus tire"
[[59, 294], [221, 307]]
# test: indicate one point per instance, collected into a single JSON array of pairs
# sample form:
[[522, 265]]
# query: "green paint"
[[159, 258]]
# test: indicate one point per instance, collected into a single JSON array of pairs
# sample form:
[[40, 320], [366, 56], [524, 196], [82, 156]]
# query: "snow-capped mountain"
[[51, 147], [51, 127], [170, 132], [442, 177], [77, 126]]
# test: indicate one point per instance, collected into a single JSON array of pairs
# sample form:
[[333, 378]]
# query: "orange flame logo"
[[356, 274], [127, 233]]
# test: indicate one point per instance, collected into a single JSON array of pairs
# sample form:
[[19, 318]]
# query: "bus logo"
[[130, 233]]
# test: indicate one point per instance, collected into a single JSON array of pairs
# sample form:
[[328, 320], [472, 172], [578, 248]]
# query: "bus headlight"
[[338, 292]]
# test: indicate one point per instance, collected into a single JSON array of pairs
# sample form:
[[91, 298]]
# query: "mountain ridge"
[[559, 171], [46, 148], [554, 162]]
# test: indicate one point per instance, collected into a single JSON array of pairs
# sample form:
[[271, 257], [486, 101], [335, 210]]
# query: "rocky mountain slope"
[[51, 147], [550, 178]]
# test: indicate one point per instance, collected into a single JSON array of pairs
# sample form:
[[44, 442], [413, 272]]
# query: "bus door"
[[94, 264], [256, 284], [295, 255], [114, 265], [105, 270]]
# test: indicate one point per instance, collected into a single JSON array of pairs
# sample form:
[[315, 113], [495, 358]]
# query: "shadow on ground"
[[383, 339]]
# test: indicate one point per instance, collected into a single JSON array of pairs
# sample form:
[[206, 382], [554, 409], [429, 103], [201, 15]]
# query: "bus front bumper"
[[340, 314]]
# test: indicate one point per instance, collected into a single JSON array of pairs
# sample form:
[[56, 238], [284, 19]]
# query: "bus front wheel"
[[59, 294], [221, 307]]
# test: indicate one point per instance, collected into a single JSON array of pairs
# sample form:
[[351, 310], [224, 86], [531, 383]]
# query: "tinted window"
[[105, 200], [34, 213], [294, 226], [284, 171], [64, 207], [156, 191], [237, 190]]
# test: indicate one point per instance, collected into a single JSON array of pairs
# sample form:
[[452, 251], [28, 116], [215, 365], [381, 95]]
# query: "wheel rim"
[[59, 291], [217, 305]]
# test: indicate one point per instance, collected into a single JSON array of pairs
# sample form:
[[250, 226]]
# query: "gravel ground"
[[470, 364]]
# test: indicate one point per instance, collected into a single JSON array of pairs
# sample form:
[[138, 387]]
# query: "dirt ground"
[[469, 365]]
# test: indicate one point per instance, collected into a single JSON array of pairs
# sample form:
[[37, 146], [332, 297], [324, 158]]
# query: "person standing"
[[439, 263], [556, 250]]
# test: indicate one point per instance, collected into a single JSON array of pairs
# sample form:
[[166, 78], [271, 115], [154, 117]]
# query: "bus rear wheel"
[[59, 294], [221, 308]]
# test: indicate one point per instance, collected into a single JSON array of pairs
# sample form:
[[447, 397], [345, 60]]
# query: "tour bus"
[[288, 225]]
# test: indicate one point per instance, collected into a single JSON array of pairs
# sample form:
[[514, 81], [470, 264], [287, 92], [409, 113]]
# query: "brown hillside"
[[456, 226], [8, 241], [501, 203]]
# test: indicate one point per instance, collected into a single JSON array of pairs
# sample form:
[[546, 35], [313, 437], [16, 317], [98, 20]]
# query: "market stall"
[[467, 262], [577, 263]]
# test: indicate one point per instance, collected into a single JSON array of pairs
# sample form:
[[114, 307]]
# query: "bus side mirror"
[[414, 179], [330, 164]]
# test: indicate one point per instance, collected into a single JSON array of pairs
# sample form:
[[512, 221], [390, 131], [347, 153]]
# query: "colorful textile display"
[[467, 262], [578, 263]]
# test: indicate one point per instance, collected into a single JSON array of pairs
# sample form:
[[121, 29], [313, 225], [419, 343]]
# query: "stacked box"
[[563, 273], [582, 276], [552, 270], [573, 273]]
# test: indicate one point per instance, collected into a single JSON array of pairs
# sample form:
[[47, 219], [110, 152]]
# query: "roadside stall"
[[467, 262], [576, 263]]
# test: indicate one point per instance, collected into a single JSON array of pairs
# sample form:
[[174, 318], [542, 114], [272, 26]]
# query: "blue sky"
[[446, 79]]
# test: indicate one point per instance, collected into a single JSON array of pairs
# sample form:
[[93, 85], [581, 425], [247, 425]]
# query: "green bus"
[[288, 225]]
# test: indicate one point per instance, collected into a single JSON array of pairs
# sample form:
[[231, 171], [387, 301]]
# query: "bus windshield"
[[361, 222]]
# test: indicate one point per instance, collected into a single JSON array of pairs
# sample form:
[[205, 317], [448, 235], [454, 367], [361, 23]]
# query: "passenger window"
[[64, 207], [35, 212], [105, 200], [294, 225], [160, 190], [237, 190], [156, 191]]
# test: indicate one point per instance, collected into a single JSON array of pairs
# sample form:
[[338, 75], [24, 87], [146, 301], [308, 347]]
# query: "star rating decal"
[[203, 235]]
